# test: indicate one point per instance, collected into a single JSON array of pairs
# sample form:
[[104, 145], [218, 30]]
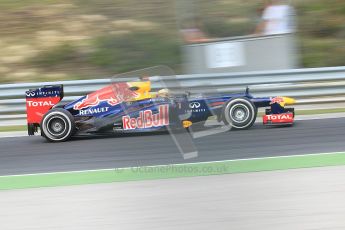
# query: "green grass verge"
[[170, 171], [319, 111], [315, 111], [13, 128]]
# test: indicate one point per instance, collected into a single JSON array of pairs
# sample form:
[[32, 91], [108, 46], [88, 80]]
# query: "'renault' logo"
[[147, 119], [93, 111]]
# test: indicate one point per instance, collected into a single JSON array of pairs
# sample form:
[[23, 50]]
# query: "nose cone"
[[289, 101]]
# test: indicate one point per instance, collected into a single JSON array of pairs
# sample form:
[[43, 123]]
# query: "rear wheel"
[[57, 125], [239, 113]]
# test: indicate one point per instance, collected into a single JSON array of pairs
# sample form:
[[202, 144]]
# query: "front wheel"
[[57, 125], [239, 113]]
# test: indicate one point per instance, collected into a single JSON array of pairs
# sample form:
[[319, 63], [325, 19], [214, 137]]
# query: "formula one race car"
[[125, 107]]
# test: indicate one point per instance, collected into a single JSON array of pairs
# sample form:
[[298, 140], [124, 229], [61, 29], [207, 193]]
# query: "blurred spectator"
[[192, 32], [277, 18], [259, 20]]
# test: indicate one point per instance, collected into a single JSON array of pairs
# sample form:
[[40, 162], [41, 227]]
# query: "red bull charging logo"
[[113, 95], [277, 100], [147, 119]]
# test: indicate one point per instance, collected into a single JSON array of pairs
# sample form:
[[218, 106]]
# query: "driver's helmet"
[[163, 93]]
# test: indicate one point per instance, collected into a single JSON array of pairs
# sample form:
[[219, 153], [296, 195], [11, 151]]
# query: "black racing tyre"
[[239, 113], [57, 125]]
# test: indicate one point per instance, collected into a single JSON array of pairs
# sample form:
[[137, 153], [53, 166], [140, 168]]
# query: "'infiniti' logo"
[[194, 105], [30, 93]]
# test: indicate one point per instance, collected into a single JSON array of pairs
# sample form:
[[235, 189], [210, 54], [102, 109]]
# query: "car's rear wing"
[[39, 102]]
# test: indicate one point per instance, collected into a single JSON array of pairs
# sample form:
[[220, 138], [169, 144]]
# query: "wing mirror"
[[133, 88], [247, 90]]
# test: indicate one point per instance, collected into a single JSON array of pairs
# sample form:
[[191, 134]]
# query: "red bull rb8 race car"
[[128, 107]]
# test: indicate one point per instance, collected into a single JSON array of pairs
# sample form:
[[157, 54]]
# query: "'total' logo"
[[39, 103], [279, 116], [147, 119]]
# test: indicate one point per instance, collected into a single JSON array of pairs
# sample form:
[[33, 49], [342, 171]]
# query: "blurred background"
[[87, 39]]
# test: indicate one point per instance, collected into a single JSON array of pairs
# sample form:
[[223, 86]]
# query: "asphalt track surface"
[[26, 155]]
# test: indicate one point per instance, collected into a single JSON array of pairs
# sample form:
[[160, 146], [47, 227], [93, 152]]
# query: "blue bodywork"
[[197, 108]]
